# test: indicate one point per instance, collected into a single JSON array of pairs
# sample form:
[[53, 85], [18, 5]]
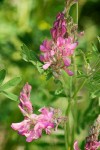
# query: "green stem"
[[74, 101], [67, 128], [77, 13], [70, 132], [81, 85]]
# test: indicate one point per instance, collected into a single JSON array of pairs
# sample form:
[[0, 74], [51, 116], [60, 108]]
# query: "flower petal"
[[76, 146], [42, 58], [33, 135], [46, 66], [60, 41], [25, 104], [73, 46], [69, 72], [67, 62], [21, 127]]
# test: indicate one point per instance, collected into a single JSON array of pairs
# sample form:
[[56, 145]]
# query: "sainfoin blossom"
[[57, 52], [89, 146], [92, 142], [33, 125]]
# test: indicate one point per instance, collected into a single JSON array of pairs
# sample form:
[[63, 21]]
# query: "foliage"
[[8, 84]]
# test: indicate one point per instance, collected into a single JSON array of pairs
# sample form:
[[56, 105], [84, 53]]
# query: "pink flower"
[[92, 142], [56, 53], [89, 145], [33, 125], [92, 145]]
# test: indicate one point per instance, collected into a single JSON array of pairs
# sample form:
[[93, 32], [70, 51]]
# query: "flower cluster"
[[92, 142], [57, 52], [33, 125]]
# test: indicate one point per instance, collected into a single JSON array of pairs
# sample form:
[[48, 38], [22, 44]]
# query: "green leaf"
[[11, 83], [25, 53], [48, 75], [39, 67], [2, 75], [98, 38], [95, 49], [10, 96], [29, 55], [33, 55]]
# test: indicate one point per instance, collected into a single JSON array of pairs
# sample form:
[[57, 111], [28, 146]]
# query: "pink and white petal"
[[56, 24], [76, 146], [67, 62], [73, 46], [63, 30], [35, 133], [22, 110], [46, 57], [48, 115], [33, 136], [46, 66], [26, 107], [42, 58], [34, 117], [23, 97], [25, 93], [44, 110], [68, 40], [60, 41], [64, 23], [40, 118], [48, 130], [52, 52], [39, 125], [20, 127], [27, 89], [96, 145], [43, 48], [16, 126], [69, 72], [54, 33], [48, 44]]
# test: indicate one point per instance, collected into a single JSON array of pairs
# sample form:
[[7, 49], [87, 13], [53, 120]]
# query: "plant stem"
[[70, 131], [81, 85], [67, 128], [77, 13], [74, 101]]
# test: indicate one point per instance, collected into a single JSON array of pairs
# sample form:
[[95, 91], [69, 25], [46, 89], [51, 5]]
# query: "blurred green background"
[[29, 21]]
